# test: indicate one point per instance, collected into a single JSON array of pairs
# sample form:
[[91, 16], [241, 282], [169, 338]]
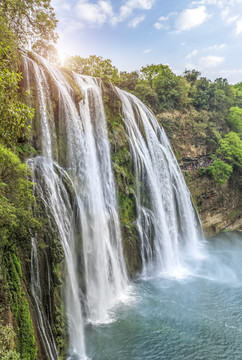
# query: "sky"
[[205, 35]]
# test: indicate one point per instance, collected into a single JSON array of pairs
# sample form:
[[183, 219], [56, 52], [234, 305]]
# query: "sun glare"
[[62, 56]]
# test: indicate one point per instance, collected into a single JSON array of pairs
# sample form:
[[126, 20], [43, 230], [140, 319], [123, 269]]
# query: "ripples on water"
[[196, 315]]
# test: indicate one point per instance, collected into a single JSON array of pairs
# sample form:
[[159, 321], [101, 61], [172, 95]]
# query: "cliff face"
[[194, 137]]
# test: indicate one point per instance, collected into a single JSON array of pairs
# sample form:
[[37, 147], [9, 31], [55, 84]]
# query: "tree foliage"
[[29, 20], [148, 95], [219, 170], [48, 51], [235, 119], [7, 336], [191, 76], [14, 114], [230, 149], [93, 66], [228, 159], [128, 81], [16, 197]]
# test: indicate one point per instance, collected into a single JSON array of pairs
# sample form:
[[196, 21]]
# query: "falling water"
[[105, 273], [166, 219], [88, 228], [50, 187], [45, 332]]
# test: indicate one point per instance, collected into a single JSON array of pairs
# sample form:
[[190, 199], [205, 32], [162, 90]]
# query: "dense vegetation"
[[21, 22]]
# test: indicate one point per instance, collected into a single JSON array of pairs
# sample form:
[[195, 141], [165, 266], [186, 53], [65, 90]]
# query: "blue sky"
[[201, 34]]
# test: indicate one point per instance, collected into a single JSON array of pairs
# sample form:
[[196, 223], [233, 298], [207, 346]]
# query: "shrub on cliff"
[[228, 159], [235, 119], [220, 171], [16, 197], [6, 343]]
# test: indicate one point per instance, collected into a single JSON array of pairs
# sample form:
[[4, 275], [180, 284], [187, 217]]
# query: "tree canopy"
[[93, 66], [30, 20]]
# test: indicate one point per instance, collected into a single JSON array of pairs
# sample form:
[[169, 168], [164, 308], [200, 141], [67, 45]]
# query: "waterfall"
[[166, 220], [105, 273], [45, 332], [75, 185], [89, 229]]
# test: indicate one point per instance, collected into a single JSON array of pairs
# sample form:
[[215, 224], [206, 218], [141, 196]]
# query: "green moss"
[[33, 57], [68, 74], [60, 328], [177, 154], [234, 213], [188, 176], [26, 344]]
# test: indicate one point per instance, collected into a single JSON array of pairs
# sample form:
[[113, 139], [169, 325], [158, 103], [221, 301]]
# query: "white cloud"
[[227, 17], [225, 14], [190, 66], [96, 14], [238, 29], [232, 19], [228, 72], [191, 54], [162, 22], [73, 26], [147, 51], [218, 3], [190, 18], [233, 75], [66, 6], [128, 8], [210, 61], [215, 47], [135, 21]]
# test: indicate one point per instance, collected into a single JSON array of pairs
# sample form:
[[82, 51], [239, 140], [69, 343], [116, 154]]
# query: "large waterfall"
[[75, 184]]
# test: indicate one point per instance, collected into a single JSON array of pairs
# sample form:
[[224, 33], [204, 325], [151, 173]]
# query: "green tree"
[[191, 76], [202, 94], [29, 20], [235, 119], [128, 81], [172, 90], [93, 66], [219, 170], [230, 150], [228, 159], [148, 96], [238, 94], [14, 114]]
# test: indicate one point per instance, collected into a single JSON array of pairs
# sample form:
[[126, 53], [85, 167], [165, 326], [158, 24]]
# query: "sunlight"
[[62, 56]]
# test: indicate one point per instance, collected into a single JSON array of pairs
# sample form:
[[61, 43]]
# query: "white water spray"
[[167, 223]]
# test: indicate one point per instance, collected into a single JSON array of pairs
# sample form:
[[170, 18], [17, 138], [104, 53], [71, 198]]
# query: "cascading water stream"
[[166, 220], [51, 189], [44, 330], [105, 273], [89, 228]]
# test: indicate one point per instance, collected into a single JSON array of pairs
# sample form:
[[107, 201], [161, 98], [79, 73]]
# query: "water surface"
[[195, 315]]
